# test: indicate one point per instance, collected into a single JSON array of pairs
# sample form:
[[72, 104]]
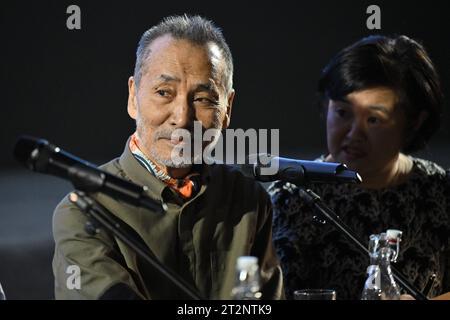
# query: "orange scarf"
[[184, 187]]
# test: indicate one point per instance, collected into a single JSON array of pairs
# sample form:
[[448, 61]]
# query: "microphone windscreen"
[[24, 147]]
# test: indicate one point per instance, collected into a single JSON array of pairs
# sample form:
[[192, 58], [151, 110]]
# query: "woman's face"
[[365, 130]]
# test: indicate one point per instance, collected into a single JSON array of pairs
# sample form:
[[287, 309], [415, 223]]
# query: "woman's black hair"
[[399, 63]]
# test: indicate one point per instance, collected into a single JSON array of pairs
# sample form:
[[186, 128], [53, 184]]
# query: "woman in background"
[[382, 100]]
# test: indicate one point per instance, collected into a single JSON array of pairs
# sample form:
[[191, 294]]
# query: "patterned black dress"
[[316, 255]]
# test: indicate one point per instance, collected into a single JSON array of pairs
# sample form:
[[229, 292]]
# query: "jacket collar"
[[140, 175]]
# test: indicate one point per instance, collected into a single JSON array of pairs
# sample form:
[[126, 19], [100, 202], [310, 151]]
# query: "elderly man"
[[214, 214]]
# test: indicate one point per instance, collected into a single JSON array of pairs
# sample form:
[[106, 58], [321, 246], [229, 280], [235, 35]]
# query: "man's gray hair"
[[193, 28]]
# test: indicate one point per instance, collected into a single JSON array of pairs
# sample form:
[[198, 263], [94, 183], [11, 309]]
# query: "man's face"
[[366, 130], [181, 83]]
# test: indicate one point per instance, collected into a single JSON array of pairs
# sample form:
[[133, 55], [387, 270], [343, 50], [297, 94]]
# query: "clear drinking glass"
[[315, 294]]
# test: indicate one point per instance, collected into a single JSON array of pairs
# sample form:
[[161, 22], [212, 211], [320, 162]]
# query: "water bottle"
[[372, 286], [380, 283], [247, 280]]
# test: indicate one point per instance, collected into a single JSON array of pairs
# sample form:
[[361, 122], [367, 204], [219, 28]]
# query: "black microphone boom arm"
[[316, 202]]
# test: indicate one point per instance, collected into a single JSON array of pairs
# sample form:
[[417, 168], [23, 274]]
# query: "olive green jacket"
[[200, 239]]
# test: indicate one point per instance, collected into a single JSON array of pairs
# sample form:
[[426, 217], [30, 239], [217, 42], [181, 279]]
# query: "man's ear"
[[132, 99], [227, 118]]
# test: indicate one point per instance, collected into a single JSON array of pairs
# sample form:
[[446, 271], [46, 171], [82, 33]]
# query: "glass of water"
[[315, 294]]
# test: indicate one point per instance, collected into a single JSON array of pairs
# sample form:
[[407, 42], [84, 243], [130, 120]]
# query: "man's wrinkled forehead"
[[159, 48]]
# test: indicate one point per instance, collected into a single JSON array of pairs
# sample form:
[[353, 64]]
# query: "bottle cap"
[[394, 235], [246, 262]]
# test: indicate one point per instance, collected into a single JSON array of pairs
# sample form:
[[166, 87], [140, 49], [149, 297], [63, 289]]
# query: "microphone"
[[265, 168], [41, 156]]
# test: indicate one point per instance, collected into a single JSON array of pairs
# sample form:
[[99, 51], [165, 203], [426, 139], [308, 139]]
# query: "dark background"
[[70, 87]]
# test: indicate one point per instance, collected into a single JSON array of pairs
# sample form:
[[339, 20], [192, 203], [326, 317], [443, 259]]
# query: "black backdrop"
[[70, 86]]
